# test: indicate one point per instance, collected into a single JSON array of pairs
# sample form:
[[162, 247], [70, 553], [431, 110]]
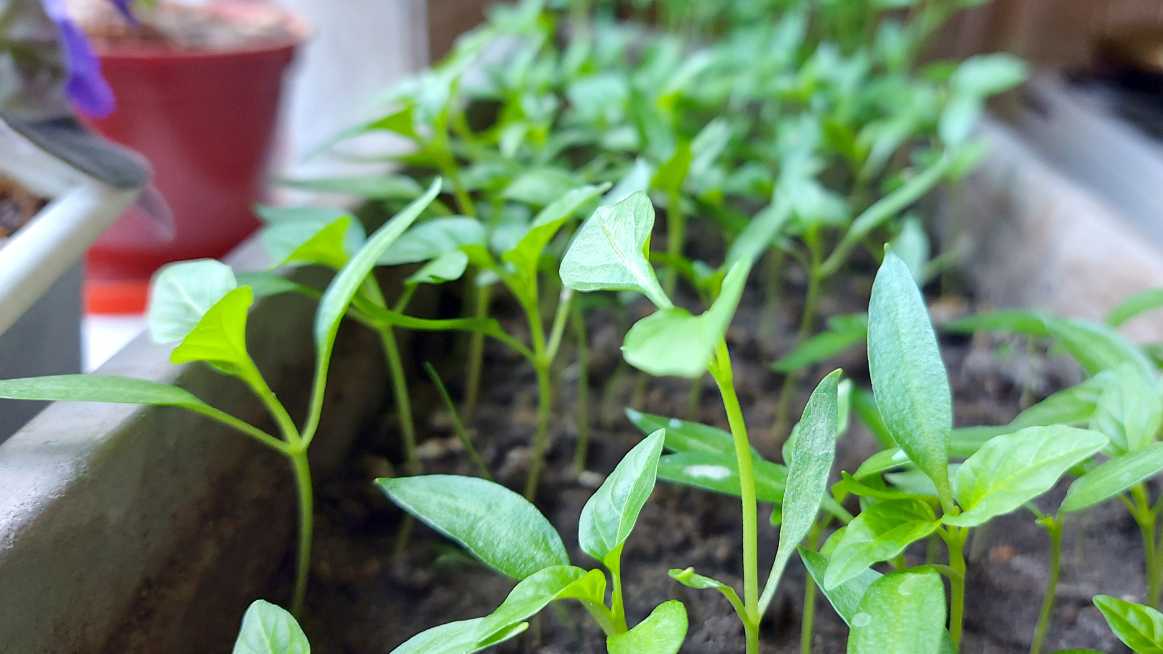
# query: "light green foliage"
[[1134, 306], [1113, 477], [881, 531], [662, 632], [1013, 469], [908, 376], [269, 629], [1139, 627], [1130, 409], [183, 293], [609, 515], [903, 612], [433, 238], [498, 526], [842, 333], [844, 598]]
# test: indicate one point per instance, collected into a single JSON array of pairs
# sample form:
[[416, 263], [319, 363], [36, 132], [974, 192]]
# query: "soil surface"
[[364, 599], [182, 26]]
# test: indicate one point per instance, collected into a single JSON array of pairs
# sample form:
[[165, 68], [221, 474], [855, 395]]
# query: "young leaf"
[[1139, 627], [903, 613], [609, 515], [691, 579], [908, 376], [719, 473], [684, 436], [269, 629], [1134, 306], [881, 531], [609, 252], [219, 338], [99, 388], [447, 267], [181, 293], [662, 632], [462, 637], [432, 238], [912, 246], [526, 254], [808, 470], [307, 242], [1113, 477], [845, 598], [843, 332], [1098, 347], [760, 232], [536, 591], [498, 526], [1130, 409], [1013, 469], [673, 342], [372, 187]]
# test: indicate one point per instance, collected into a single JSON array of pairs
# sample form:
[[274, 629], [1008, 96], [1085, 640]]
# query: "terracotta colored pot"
[[206, 120]]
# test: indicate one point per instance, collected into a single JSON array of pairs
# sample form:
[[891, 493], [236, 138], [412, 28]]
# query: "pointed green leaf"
[[1130, 409], [1010, 470], [372, 187], [1134, 306], [536, 591], [498, 526], [881, 531], [903, 613], [609, 252], [908, 376], [269, 629], [636, 180], [609, 515], [447, 267], [526, 254], [674, 342], [843, 332], [219, 338], [1098, 347], [1139, 627], [912, 246], [808, 470], [540, 186], [99, 388], [760, 232], [305, 242], [1113, 477], [685, 436], [673, 171], [432, 238], [989, 74], [181, 293], [662, 632], [719, 473], [845, 598], [463, 637]]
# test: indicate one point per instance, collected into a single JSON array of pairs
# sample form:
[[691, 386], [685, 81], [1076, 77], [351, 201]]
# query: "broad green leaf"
[[536, 591], [1113, 477], [1098, 347], [1071, 406], [219, 338], [673, 171], [683, 435], [305, 242], [609, 252], [181, 293], [845, 598], [1135, 306], [432, 238], [880, 532], [912, 246], [662, 632], [1010, 470], [372, 187], [989, 74], [447, 267], [882, 461], [908, 376], [1130, 409], [903, 613], [463, 637], [1030, 323], [674, 342], [808, 470], [609, 515], [498, 526], [1139, 627], [843, 332], [341, 291], [540, 187], [269, 629], [99, 388], [760, 232], [526, 254], [719, 473], [959, 118]]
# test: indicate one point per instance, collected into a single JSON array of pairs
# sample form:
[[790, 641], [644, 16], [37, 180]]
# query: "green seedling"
[[509, 535], [270, 629], [1139, 627], [610, 253], [200, 307]]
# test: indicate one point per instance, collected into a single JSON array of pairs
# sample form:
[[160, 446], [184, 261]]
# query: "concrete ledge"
[[115, 521]]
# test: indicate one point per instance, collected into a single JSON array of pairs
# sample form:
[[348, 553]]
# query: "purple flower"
[[86, 87]]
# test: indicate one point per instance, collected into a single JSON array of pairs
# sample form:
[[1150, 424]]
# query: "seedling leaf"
[[662, 632], [432, 238], [181, 293], [1139, 627], [219, 338], [1113, 477], [903, 613], [99, 388], [1013, 469], [880, 532], [269, 629], [609, 515], [496, 525]]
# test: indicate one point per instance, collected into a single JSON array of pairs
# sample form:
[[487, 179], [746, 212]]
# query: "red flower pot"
[[206, 120]]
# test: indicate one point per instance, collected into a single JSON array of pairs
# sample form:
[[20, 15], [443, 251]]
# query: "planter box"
[[40, 295]]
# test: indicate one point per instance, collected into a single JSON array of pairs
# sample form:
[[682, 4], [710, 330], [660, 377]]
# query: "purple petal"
[[125, 8], [86, 87]]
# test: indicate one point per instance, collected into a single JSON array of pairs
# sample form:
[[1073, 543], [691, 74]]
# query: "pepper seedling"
[[200, 306], [509, 535]]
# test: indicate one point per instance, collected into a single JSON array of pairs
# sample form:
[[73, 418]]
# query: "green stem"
[[807, 625], [457, 425], [476, 349], [617, 603], [403, 401], [1053, 528], [675, 236], [583, 389], [541, 436], [1146, 520], [603, 617], [955, 542], [779, 430], [723, 375], [302, 469]]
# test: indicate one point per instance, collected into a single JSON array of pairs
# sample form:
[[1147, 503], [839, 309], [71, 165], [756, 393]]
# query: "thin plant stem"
[[457, 425], [617, 603], [1053, 528], [675, 237], [807, 625], [578, 322], [482, 296], [1146, 519], [302, 470], [541, 436], [399, 383], [955, 542], [723, 375], [779, 430]]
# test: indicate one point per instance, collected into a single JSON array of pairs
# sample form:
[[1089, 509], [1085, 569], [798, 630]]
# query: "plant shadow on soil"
[[363, 600]]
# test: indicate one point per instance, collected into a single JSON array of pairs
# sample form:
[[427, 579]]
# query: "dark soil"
[[363, 600], [17, 207]]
